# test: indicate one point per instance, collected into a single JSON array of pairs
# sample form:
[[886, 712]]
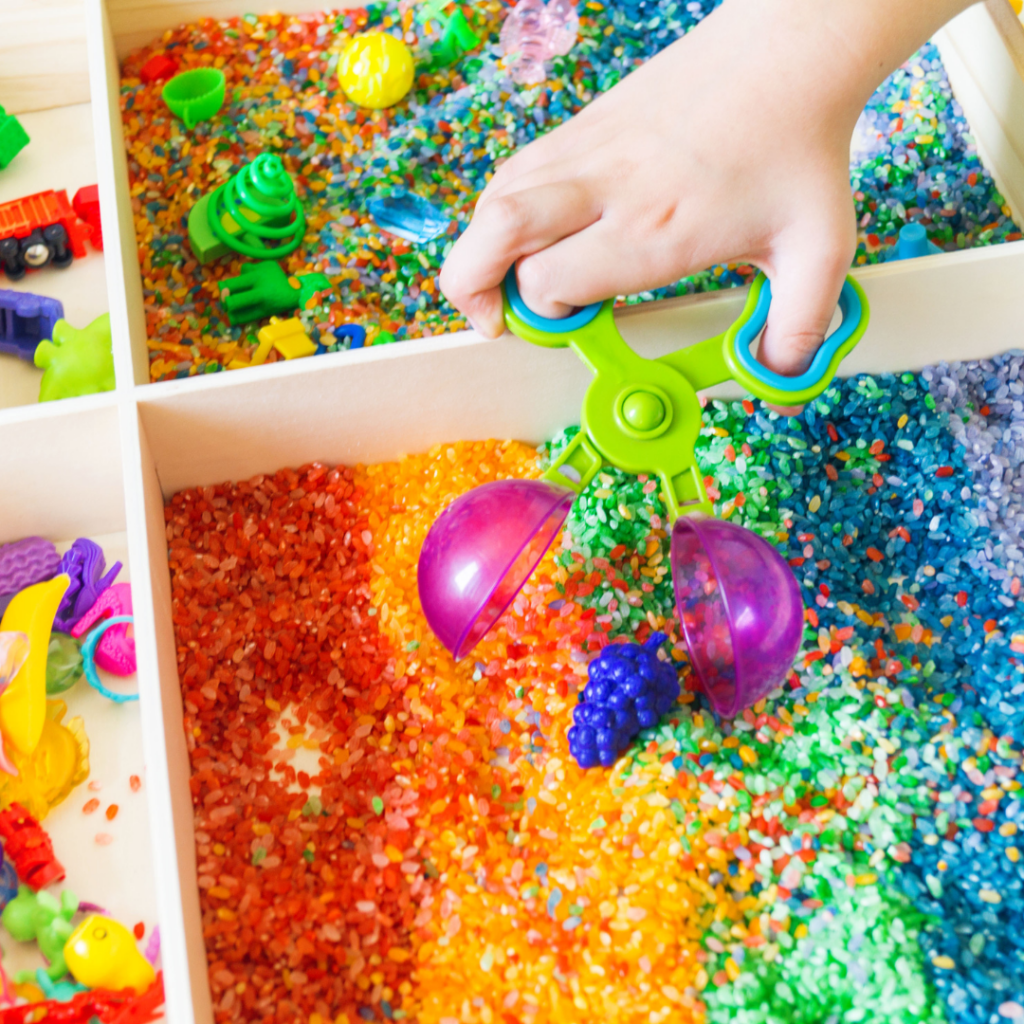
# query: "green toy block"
[[77, 362], [264, 289], [13, 138], [206, 246]]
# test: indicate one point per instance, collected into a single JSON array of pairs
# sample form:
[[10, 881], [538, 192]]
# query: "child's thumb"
[[804, 299]]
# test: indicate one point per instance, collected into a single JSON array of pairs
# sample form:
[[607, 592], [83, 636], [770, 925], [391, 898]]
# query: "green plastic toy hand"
[[77, 362], [456, 41], [55, 935], [263, 290]]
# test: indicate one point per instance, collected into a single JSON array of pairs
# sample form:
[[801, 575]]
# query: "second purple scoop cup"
[[740, 610]]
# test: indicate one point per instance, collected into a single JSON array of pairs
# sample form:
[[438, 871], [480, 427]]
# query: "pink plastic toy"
[[533, 33], [116, 650]]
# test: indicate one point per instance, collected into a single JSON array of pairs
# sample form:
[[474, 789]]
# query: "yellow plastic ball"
[[376, 70]]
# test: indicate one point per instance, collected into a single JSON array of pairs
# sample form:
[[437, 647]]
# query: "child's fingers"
[[582, 268], [805, 293], [503, 230], [606, 259], [543, 155]]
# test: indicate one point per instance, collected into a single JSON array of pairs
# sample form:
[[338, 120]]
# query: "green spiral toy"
[[256, 214]]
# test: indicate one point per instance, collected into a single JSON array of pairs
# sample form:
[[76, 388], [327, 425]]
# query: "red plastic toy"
[[29, 848], [38, 230], [99, 1004], [156, 69], [87, 205]]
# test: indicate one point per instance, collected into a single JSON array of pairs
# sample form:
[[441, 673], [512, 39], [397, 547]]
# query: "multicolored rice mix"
[[913, 159], [386, 835]]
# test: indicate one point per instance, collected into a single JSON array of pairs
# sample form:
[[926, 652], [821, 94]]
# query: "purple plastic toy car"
[[26, 320]]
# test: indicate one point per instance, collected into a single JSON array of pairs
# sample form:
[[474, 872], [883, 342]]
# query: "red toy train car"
[[29, 848], [39, 230]]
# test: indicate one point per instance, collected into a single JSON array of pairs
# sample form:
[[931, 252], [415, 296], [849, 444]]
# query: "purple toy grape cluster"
[[629, 689]]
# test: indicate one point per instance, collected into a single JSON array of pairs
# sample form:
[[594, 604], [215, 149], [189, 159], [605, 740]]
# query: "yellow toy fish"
[[58, 764], [101, 953], [23, 703]]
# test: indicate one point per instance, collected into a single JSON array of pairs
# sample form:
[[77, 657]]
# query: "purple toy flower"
[[84, 563], [25, 562], [152, 952], [92, 908]]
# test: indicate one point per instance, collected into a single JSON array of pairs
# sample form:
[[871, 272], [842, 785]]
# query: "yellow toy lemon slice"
[[23, 703], [101, 953], [376, 70]]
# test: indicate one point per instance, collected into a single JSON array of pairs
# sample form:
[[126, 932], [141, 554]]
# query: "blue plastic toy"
[[408, 215], [89, 660], [354, 332], [912, 242], [58, 991], [630, 688], [8, 882], [26, 320]]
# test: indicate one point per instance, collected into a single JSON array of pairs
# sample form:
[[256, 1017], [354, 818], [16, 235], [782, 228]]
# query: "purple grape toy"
[[630, 688], [84, 563], [25, 562]]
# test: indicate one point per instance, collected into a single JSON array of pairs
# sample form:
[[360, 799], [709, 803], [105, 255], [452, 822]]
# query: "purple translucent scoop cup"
[[479, 553], [740, 610]]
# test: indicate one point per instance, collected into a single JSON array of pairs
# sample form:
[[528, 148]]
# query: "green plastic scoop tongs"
[[738, 604]]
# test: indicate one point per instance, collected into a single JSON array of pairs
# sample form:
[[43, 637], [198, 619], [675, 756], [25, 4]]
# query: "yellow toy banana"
[[23, 703]]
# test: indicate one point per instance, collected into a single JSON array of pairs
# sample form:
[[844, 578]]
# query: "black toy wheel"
[[35, 252], [10, 257], [57, 239]]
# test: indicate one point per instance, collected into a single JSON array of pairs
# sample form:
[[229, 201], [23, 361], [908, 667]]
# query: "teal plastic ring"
[[579, 319], [852, 310], [89, 660]]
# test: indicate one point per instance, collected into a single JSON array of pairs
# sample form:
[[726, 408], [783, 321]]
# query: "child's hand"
[[732, 145]]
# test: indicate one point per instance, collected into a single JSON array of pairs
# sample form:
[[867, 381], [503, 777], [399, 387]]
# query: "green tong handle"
[[643, 415]]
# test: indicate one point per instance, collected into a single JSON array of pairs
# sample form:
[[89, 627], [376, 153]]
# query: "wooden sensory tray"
[[138, 445]]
